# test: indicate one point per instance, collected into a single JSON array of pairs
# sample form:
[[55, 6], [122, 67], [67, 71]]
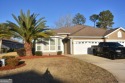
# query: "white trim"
[[86, 36], [63, 33], [62, 46], [115, 40], [114, 31], [89, 40], [57, 37], [71, 46]]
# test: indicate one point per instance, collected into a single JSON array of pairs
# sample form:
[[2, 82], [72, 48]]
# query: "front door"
[[66, 46]]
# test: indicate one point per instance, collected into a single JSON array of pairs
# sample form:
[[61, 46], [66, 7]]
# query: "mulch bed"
[[10, 68], [43, 56]]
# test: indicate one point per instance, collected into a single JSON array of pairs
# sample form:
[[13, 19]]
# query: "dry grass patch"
[[9, 54], [58, 70]]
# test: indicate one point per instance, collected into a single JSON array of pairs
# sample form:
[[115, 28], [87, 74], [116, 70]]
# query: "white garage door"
[[83, 47]]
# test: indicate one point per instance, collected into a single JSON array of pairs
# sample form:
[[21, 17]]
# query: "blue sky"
[[52, 10]]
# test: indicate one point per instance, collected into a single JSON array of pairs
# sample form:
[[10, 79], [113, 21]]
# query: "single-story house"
[[78, 39], [8, 44]]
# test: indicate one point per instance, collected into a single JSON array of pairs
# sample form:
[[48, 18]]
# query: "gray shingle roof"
[[82, 30]]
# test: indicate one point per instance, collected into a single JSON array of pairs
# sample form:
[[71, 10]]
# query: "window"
[[79, 42], [52, 44], [38, 48], [46, 46], [59, 44], [119, 34]]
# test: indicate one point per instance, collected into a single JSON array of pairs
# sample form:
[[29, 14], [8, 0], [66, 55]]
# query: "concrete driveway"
[[116, 67]]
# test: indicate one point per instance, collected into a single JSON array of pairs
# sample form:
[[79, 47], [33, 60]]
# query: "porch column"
[[0, 45], [71, 46]]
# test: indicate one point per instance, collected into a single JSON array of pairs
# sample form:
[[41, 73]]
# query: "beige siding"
[[115, 36]]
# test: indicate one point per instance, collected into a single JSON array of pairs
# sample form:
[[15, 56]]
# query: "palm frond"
[[28, 28]]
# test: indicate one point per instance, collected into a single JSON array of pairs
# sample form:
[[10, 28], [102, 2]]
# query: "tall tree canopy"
[[105, 19], [64, 21], [79, 19], [94, 18], [29, 29]]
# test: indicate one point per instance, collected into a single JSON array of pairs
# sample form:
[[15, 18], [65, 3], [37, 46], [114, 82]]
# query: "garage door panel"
[[78, 49]]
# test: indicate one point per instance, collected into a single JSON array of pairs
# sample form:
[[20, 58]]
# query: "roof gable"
[[109, 32]]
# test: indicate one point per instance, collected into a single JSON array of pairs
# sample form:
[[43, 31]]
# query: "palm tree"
[[29, 29], [4, 33]]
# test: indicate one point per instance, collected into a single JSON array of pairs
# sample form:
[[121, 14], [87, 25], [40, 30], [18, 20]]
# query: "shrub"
[[38, 53], [4, 50], [12, 62], [11, 50], [0, 63], [7, 57], [59, 53], [21, 52]]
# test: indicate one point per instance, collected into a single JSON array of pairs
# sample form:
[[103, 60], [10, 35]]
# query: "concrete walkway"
[[116, 67]]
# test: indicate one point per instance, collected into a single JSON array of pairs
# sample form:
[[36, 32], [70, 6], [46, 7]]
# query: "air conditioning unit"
[[2, 62]]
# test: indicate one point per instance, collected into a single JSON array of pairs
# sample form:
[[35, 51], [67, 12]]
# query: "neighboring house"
[[79, 39], [6, 45]]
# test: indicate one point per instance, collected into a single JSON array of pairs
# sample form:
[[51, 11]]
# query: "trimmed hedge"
[[59, 52], [7, 57], [21, 52], [11, 50], [12, 62], [38, 53], [3, 50]]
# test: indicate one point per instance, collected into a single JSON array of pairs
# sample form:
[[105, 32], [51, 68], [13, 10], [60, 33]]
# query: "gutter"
[[87, 36]]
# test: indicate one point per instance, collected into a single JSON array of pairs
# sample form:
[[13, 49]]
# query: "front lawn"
[[58, 70]]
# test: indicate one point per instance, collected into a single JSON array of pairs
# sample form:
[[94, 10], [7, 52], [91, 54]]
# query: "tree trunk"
[[28, 48]]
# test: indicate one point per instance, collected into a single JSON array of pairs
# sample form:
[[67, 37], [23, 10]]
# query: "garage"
[[80, 38], [84, 46]]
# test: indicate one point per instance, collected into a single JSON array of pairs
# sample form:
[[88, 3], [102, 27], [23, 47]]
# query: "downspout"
[[104, 39], [70, 45]]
